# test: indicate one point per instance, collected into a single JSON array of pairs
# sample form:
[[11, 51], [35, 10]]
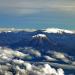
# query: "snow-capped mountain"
[[53, 46], [41, 41], [57, 30]]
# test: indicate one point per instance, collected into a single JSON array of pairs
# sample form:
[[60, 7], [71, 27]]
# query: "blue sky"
[[37, 13]]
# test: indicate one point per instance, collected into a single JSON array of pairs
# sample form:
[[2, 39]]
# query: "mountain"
[[40, 41], [52, 46], [46, 39]]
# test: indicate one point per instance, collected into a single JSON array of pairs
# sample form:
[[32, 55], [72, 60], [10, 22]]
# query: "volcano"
[[41, 41]]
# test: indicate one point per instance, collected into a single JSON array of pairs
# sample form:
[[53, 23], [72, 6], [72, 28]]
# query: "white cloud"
[[47, 69], [15, 61], [48, 58]]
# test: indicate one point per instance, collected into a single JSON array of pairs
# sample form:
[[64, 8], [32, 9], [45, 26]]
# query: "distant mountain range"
[[51, 38]]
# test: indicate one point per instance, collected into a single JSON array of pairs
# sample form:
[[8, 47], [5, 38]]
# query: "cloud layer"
[[34, 6], [18, 66]]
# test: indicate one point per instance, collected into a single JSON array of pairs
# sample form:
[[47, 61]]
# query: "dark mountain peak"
[[41, 41]]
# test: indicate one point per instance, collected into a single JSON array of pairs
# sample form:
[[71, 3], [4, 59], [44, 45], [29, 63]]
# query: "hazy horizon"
[[37, 14]]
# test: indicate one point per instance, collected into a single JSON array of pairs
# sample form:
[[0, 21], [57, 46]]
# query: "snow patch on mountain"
[[40, 36], [57, 30]]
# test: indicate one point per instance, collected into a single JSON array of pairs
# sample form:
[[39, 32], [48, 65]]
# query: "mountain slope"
[[40, 39]]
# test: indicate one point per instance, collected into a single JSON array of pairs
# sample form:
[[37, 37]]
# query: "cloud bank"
[[10, 66]]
